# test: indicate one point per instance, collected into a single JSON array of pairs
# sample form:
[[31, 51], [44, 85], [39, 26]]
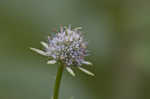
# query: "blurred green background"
[[119, 40]]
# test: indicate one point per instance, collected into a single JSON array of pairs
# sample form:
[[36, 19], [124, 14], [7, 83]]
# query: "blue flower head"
[[68, 47]]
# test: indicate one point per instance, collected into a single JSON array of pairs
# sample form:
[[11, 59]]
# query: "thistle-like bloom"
[[68, 47]]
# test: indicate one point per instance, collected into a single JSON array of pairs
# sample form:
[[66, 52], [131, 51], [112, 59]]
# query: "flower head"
[[68, 47]]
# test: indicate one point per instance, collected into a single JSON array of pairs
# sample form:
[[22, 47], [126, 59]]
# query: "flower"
[[68, 47]]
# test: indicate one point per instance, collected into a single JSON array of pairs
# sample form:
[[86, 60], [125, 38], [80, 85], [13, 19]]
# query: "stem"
[[58, 80]]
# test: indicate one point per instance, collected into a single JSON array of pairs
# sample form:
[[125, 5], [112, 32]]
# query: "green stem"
[[58, 80]]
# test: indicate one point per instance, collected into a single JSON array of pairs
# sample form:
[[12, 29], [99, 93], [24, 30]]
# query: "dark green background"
[[119, 41]]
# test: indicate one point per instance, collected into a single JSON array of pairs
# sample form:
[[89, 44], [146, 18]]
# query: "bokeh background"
[[119, 41]]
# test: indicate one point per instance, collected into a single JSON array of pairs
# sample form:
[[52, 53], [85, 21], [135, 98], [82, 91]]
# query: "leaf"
[[87, 62], [51, 62], [86, 71], [39, 51], [44, 44], [70, 71]]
